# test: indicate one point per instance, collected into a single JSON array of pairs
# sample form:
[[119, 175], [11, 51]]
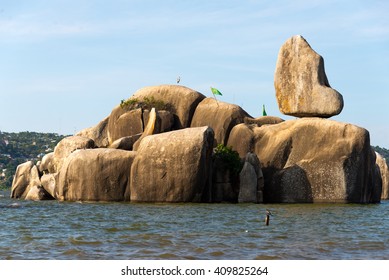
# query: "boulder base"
[[95, 175], [312, 160]]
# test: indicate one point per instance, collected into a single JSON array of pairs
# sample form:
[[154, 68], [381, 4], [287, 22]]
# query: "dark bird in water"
[[267, 219], [178, 79]]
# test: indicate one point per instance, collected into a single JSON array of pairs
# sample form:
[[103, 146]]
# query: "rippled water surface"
[[64, 230]]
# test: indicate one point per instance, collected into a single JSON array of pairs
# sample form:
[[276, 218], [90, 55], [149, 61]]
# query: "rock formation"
[[157, 146], [27, 184], [181, 100], [251, 180], [173, 166], [311, 160], [384, 171], [95, 175], [302, 88], [221, 116]]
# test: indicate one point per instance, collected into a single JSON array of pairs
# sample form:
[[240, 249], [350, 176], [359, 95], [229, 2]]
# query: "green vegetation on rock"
[[145, 103], [229, 157]]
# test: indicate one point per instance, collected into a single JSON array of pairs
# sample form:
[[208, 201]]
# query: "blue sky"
[[65, 64]]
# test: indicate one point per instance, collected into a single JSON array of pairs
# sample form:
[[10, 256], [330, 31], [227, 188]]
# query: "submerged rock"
[[95, 175]]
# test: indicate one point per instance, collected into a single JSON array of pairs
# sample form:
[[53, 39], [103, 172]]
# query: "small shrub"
[[145, 103], [229, 157]]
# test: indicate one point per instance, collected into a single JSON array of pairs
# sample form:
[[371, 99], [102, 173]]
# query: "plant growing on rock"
[[145, 103], [229, 158]]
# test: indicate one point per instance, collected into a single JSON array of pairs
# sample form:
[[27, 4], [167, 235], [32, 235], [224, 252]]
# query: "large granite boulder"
[[384, 171], [301, 84], [123, 122], [26, 183], [311, 160], [173, 166], [26, 175], [221, 116], [242, 139], [49, 182], [95, 175], [182, 101], [97, 133], [67, 146], [47, 164]]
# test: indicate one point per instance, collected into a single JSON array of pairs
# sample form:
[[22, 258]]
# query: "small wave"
[[81, 241]]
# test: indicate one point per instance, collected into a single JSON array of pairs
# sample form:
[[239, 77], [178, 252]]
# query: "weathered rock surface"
[[97, 133], [67, 146], [27, 184], [183, 101], [251, 180], [384, 171], [301, 85], [125, 143], [124, 122], [242, 139], [311, 160], [49, 182], [221, 116], [265, 120], [149, 129], [95, 175], [37, 192], [164, 120], [25, 174], [173, 166], [47, 164]]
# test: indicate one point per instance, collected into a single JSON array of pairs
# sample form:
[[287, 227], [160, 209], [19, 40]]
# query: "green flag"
[[264, 111], [215, 91]]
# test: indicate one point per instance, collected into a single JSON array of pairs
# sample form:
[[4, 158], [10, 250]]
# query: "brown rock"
[[221, 116], [173, 166], [384, 171], [95, 175], [124, 122], [67, 146], [98, 133], [125, 143], [26, 175], [301, 85], [47, 164], [265, 120], [181, 100], [313, 160], [49, 182]]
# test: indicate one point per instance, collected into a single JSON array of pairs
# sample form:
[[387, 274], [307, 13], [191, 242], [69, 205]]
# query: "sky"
[[64, 65]]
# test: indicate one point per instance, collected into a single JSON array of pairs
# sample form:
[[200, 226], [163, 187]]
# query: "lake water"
[[118, 231]]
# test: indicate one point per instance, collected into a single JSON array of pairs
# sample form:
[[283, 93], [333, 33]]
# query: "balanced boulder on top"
[[301, 84]]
